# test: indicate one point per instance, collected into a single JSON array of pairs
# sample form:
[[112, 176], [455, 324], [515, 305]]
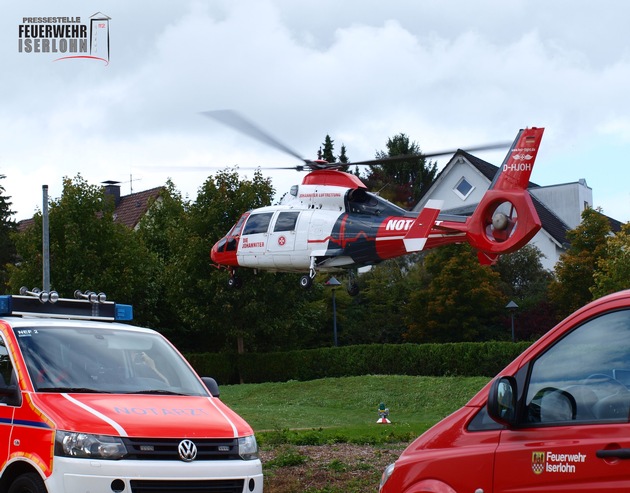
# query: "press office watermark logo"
[[66, 37]]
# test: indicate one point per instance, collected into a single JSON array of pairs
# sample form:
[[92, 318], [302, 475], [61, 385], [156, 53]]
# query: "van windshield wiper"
[[84, 390], [156, 391]]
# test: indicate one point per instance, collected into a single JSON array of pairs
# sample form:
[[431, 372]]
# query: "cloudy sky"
[[449, 74]]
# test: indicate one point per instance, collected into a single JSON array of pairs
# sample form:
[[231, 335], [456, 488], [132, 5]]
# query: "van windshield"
[[104, 360]]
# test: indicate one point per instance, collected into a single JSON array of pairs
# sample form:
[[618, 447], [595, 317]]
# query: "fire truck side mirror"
[[502, 401]]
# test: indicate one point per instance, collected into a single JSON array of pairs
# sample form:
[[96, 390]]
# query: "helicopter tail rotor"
[[506, 219]]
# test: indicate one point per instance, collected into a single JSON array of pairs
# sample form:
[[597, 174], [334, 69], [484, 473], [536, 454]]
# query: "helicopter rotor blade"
[[415, 157], [241, 124], [486, 147], [237, 122]]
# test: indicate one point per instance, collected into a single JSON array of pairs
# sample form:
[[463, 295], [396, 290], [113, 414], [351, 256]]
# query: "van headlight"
[[248, 448], [88, 446], [386, 475]]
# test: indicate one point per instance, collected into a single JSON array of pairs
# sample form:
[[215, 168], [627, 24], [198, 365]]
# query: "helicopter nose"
[[213, 253], [222, 253]]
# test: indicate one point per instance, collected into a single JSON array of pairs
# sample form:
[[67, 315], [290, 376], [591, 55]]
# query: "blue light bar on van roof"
[[6, 307], [123, 312], [65, 308]]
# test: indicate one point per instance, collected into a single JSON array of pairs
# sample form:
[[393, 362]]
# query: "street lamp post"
[[334, 283], [512, 307]]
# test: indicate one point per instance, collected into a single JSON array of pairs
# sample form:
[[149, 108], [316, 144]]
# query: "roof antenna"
[[131, 180]]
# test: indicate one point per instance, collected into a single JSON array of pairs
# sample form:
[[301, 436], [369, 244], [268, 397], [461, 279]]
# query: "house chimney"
[[112, 188]]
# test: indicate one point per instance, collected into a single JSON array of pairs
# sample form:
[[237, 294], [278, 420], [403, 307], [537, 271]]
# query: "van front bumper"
[[71, 475]]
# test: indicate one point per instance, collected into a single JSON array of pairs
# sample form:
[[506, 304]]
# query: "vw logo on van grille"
[[187, 450]]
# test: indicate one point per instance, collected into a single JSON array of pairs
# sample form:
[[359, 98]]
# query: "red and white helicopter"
[[331, 222]]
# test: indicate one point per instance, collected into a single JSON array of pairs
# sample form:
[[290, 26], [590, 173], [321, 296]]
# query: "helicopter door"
[[253, 246], [282, 238]]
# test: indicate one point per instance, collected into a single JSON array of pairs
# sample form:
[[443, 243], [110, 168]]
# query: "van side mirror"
[[9, 393], [502, 401], [212, 385]]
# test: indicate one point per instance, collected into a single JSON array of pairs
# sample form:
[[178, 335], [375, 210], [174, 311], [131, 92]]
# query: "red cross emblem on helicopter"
[[282, 240]]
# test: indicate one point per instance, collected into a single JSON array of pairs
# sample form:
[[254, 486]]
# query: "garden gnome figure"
[[383, 412]]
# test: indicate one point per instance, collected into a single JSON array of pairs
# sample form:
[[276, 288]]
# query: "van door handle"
[[619, 453]]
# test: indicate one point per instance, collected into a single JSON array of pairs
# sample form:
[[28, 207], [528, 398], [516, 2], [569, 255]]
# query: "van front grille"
[[167, 449]]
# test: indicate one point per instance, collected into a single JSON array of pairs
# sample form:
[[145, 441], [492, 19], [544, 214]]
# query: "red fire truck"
[[89, 404], [555, 419]]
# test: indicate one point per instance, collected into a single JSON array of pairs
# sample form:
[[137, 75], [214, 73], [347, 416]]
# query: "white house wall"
[[548, 247], [443, 188], [567, 201]]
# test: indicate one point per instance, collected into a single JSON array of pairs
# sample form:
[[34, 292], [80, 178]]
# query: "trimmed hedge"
[[462, 359]]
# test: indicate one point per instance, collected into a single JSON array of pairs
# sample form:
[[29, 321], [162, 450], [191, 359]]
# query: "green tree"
[[463, 300], [613, 269], [88, 251], [574, 272], [527, 284], [402, 182], [270, 311], [163, 231], [377, 314], [327, 153], [343, 158], [7, 245]]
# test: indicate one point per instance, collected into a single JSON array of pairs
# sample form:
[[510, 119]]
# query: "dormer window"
[[463, 188]]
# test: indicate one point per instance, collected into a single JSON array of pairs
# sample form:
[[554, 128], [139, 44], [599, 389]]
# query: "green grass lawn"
[[345, 409]]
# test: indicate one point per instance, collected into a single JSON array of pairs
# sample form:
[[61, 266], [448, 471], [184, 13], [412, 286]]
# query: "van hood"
[[134, 415]]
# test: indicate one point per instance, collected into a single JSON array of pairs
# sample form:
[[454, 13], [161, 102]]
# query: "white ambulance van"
[[91, 405]]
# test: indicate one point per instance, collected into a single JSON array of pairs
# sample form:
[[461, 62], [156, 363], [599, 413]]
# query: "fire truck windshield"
[[104, 360]]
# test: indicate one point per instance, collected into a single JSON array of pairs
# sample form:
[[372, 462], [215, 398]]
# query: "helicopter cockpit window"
[[236, 229], [230, 241], [360, 201], [286, 221], [257, 223]]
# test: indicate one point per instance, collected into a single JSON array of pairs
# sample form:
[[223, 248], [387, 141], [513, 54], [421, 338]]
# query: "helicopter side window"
[[356, 200], [360, 201], [286, 221], [257, 223]]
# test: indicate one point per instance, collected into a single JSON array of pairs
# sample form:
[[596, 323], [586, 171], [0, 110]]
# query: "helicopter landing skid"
[[306, 281], [234, 282]]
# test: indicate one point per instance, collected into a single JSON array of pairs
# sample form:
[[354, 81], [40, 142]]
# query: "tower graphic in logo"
[[538, 462], [99, 36]]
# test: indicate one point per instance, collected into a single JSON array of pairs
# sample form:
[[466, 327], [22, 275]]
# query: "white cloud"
[[359, 71]]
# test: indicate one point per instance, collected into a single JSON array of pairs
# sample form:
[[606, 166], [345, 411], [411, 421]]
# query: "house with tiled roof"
[[130, 209], [465, 179]]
